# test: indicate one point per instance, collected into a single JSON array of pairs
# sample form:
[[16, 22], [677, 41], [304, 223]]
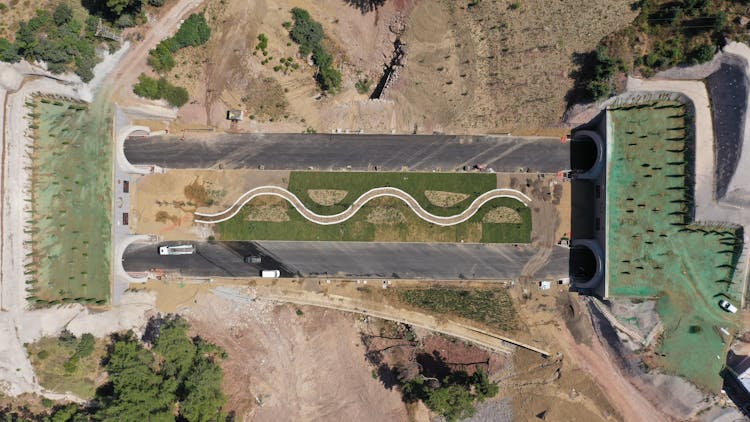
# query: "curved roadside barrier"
[[213, 218]]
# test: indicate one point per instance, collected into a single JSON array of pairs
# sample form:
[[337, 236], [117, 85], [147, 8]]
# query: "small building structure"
[[235, 115]]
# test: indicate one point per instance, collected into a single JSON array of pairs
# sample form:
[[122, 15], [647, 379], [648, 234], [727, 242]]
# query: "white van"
[[270, 273]]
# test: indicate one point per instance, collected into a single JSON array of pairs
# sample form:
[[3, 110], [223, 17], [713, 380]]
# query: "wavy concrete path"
[[359, 203]]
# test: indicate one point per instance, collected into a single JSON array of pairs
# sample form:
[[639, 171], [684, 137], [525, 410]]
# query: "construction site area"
[[425, 222]]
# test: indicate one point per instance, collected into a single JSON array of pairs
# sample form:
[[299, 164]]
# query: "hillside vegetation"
[[192, 33], [309, 35], [65, 37], [664, 34], [56, 38], [176, 378]]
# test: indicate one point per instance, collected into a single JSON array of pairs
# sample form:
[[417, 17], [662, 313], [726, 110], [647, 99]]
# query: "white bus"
[[177, 250]]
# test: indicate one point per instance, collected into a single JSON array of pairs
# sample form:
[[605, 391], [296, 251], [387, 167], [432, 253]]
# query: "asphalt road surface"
[[357, 152], [728, 90], [350, 259], [211, 259]]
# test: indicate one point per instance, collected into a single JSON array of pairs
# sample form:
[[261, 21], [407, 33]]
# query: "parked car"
[[723, 304], [253, 259], [270, 273]]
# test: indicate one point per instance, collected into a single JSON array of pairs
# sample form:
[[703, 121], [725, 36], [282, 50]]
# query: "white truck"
[[270, 274], [186, 249]]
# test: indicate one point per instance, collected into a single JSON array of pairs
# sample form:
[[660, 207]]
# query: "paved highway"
[[350, 259], [360, 152]]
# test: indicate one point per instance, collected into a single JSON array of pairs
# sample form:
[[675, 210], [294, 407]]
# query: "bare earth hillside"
[[490, 68]]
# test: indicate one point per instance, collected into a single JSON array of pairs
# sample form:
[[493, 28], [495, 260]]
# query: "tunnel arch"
[[590, 255], [597, 166]]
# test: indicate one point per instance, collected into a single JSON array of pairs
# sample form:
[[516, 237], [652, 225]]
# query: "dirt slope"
[[488, 68], [285, 366]]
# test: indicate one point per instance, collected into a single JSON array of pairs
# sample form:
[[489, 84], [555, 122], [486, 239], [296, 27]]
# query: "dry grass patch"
[[327, 197], [265, 99], [268, 209], [67, 363], [200, 193], [273, 213], [385, 215], [444, 199], [502, 215], [163, 216]]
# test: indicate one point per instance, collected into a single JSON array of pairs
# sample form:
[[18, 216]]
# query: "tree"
[[118, 6], [483, 388], [173, 344], [161, 58], [147, 88], [453, 402], [193, 32], [204, 399], [125, 20], [8, 51], [175, 95], [702, 54], [156, 3], [137, 391], [85, 345], [329, 79], [62, 14], [305, 32]]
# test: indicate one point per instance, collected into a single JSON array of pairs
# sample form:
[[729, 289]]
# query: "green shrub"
[[160, 58], [363, 86], [176, 95], [42, 355], [329, 79], [305, 31], [262, 42], [156, 3], [601, 84], [702, 54], [125, 21], [308, 34], [85, 345], [161, 89], [62, 14], [193, 32], [147, 88]]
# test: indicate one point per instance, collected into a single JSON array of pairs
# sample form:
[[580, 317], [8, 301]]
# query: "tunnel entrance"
[[582, 263], [587, 154], [586, 263], [583, 152]]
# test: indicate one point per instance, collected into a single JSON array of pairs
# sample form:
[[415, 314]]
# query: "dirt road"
[[134, 63]]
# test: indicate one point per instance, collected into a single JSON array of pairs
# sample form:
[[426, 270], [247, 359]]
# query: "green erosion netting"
[[653, 247], [72, 196]]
